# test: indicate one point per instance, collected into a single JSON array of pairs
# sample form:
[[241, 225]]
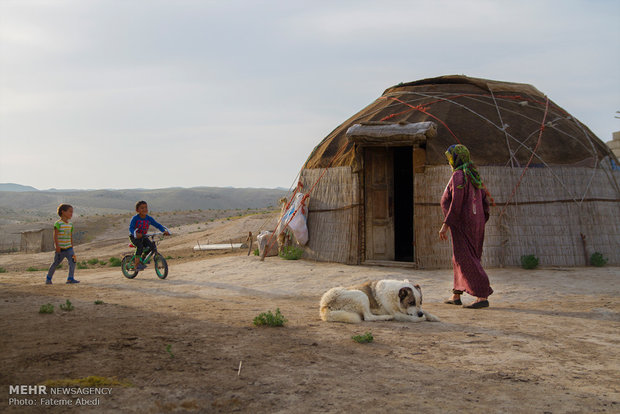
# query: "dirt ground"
[[549, 343]]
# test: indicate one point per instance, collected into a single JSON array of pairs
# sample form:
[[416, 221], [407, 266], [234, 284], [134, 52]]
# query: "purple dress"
[[466, 211]]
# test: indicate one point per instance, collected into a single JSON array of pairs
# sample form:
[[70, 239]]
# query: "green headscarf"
[[459, 159]]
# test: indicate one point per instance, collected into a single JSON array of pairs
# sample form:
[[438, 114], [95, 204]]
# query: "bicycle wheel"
[[128, 268], [161, 266]]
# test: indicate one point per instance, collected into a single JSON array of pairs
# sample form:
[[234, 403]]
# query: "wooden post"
[[250, 240], [585, 248]]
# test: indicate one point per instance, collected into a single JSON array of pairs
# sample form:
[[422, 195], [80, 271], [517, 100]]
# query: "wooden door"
[[379, 198]]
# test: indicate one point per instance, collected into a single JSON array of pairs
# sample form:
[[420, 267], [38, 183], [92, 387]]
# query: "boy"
[[138, 227], [63, 240]]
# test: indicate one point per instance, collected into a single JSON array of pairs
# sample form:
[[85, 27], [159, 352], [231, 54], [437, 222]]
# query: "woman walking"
[[466, 210]]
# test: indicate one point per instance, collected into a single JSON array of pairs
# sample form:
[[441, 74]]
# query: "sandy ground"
[[549, 343]]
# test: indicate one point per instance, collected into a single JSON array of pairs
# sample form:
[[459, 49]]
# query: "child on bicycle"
[[63, 241], [138, 227]]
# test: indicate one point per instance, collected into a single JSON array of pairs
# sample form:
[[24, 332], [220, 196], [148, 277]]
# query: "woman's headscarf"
[[459, 159]]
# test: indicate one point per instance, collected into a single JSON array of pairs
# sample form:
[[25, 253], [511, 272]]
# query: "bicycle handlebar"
[[155, 234]]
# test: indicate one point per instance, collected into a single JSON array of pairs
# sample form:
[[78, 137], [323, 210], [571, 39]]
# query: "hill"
[[120, 201], [16, 187]]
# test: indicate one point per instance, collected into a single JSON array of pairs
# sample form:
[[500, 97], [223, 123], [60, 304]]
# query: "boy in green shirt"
[[63, 240]]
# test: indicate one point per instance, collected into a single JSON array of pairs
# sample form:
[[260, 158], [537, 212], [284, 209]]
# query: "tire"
[[161, 266], [127, 266]]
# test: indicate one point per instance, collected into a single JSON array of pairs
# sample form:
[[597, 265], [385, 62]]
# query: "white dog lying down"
[[382, 300]]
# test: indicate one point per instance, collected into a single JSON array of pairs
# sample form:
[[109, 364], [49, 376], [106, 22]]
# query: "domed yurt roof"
[[500, 122]]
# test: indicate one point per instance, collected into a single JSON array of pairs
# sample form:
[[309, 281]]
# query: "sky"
[[185, 93]]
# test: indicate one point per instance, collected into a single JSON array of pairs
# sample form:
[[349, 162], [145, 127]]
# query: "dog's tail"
[[329, 315]]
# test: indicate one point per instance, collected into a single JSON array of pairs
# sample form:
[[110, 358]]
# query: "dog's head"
[[410, 299]]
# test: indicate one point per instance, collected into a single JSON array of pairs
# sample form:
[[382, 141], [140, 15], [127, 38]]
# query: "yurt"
[[376, 181]]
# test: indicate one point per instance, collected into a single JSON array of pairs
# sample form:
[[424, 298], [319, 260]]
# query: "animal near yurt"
[[375, 182]]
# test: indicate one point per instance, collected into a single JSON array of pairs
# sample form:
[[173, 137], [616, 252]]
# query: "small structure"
[[614, 144], [36, 241]]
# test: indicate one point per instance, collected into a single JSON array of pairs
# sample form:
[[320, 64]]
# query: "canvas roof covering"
[[499, 122]]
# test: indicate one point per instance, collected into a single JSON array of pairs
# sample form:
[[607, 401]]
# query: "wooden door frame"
[[362, 230]]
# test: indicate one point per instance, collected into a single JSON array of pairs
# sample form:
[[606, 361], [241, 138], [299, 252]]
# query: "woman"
[[466, 211]]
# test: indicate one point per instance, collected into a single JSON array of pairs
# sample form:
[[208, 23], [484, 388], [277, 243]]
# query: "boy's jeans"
[[58, 257]]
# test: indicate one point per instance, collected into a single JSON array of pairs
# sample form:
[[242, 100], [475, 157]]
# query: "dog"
[[382, 300]]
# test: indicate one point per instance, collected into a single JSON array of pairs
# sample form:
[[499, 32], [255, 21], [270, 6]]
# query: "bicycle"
[[161, 266]]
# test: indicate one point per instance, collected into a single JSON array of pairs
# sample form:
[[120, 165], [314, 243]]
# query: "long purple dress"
[[466, 211]]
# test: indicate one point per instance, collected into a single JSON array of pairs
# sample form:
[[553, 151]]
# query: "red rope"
[[514, 191], [511, 97], [425, 111]]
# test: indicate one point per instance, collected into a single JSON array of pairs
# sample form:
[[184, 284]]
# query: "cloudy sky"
[[160, 93]]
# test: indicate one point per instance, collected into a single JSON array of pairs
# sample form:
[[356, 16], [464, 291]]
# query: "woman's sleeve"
[[457, 184]]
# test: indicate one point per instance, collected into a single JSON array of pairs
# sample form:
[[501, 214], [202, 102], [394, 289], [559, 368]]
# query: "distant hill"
[[16, 187], [115, 201]]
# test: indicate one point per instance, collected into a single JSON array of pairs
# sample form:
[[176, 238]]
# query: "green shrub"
[[47, 308], [597, 259], [269, 319], [67, 306], [529, 261], [169, 350], [291, 253], [256, 252], [32, 269], [363, 339], [114, 262], [93, 261], [103, 262], [82, 265], [2, 269], [98, 302]]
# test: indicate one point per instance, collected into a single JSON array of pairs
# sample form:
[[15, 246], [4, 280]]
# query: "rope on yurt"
[[475, 113], [503, 227], [498, 97], [438, 96], [504, 126], [542, 128], [424, 111], [520, 98], [522, 144], [470, 110]]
